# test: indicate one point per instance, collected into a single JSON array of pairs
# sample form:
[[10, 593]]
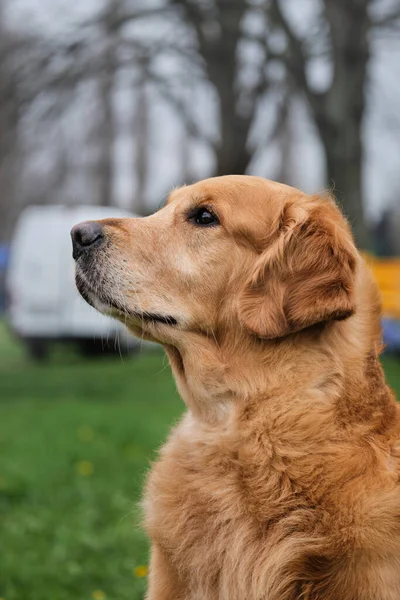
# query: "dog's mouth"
[[84, 289], [111, 307]]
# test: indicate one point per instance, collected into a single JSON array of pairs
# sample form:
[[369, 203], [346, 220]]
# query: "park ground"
[[76, 439]]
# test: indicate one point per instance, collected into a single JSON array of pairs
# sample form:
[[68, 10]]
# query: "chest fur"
[[205, 514], [244, 522]]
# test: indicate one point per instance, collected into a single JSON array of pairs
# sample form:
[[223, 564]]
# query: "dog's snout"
[[84, 235]]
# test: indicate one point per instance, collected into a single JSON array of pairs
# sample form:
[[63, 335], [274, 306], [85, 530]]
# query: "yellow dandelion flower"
[[98, 595], [141, 571], [85, 468], [85, 434]]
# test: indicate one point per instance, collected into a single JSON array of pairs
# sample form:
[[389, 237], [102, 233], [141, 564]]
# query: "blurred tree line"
[[232, 72]]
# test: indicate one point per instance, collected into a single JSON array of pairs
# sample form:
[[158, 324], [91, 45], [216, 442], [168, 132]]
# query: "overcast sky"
[[58, 18]]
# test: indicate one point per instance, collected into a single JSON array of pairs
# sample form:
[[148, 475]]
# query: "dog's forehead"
[[235, 191]]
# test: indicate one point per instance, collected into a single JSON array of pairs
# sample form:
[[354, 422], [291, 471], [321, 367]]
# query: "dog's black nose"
[[85, 235]]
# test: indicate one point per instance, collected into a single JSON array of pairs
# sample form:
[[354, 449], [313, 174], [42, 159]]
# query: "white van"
[[43, 303]]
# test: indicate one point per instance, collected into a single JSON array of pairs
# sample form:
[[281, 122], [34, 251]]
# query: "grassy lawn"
[[76, 439]]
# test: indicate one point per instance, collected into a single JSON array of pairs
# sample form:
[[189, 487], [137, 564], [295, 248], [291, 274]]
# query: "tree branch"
[[391, 19], [296, 58], [181, 109], [120, 19]]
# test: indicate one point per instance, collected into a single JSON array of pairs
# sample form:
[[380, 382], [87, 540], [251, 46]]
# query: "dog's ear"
[[305, 277]]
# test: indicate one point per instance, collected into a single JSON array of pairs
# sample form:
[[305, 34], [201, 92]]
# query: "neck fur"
[[232, 368], [212, 374]]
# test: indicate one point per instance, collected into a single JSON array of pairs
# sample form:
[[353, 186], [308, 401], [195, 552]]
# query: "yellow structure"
[[387, 274]]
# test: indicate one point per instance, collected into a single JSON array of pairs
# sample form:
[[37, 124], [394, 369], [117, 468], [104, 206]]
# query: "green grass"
[[392, 369], [76, 439]]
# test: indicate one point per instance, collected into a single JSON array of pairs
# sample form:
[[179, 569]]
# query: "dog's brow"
[[170, 197], [200, 199]]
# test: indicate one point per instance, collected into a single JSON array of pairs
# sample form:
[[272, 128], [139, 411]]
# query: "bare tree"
[[8, 126], [342, 33], [11, 99], [141, 134], [106, 122], [209, 40], [218, 33], [212, 53]]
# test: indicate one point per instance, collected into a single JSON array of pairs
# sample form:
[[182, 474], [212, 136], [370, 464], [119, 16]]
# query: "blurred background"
[[104, 106]]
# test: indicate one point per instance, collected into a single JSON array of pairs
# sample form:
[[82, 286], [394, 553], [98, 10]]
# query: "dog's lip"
[[84, 290], [154, 318], [88, 294]]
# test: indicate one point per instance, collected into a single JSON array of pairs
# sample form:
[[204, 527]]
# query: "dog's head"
[[232, 252]]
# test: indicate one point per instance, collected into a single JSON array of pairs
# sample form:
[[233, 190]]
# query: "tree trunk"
[[141, 135], [107, 125], [344, 170], [106, 131], [338, 112], [218, 35], [232, 154], [9, 138], [339, 116]]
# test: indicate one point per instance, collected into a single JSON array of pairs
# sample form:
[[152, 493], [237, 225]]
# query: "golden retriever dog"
[[281, 481]]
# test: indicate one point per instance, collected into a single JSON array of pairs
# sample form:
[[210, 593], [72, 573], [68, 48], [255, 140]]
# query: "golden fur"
[[281, 482]]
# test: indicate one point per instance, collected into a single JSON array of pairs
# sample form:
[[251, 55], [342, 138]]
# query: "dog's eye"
[[203, 217]]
